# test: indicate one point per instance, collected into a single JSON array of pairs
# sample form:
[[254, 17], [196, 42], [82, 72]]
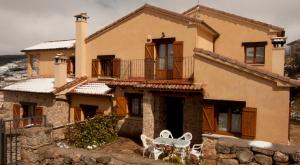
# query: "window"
[[106, 62], [255, 52], [229, 117], [165, 56], [135, 106], [89, 111]]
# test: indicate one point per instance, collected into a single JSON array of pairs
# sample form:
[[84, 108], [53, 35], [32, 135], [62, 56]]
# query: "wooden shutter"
[[249, 123], [77, 114], [69, 66], [39, 116], [99, 112], [178, 59], [149, 60], [95, 65], [121, 106], [16, 115], [208, 121], [116, 67]]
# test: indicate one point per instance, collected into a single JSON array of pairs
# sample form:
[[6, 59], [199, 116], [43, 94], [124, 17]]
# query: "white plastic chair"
[[166, 134], [149, 145], [197, 150], [186, 136]]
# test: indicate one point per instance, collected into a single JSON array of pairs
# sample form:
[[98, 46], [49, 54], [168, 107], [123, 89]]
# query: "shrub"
[[94, 132]]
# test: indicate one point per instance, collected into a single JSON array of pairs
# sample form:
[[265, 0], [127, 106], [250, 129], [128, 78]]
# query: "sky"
[[28, 22]]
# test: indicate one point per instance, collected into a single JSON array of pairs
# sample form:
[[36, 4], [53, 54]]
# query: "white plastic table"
[[178, 143]]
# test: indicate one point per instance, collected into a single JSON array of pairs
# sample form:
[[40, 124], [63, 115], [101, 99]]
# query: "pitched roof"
[[92, 88], [246, 68], [52, 45], [294, 42], [35, 85], [158, 10], [201, 7]]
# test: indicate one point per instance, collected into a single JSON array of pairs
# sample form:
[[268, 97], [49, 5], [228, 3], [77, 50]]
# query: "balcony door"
[[169, 59]]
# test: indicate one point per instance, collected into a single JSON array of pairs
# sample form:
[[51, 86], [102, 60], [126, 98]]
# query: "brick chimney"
[[278, 54], [80, 46], [60, 70]]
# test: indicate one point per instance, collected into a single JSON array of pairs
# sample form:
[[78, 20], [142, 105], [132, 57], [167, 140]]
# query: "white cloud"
[[25, 23]]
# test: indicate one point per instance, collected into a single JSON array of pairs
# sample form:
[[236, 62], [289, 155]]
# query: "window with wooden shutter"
[[16, 115], [121, 106], [95, 67], [249, 123], [208, 121], [116, 67], [38, 116], [149, 60], [77, 114], [69, 66], [178, 59]]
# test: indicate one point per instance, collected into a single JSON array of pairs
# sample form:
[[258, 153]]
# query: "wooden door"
[[16, 115], [178, 60], [208, 119], [77, 114], [38, 117], [161, 62], [121, 110], [149, 60], [249, 123]]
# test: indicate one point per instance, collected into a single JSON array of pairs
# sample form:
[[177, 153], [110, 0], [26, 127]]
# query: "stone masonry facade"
[[57, 111]]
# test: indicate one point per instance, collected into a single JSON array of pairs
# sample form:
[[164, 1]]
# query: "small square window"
[[255, 52]]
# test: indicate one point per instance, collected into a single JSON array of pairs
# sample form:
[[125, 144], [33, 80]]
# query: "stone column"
[[148, 114], [31, 140]]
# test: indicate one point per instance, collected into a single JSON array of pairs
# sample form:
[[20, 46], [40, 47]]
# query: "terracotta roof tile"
[[242, 66], [156, 9], [70, 84], [173, 85], [201, 7]]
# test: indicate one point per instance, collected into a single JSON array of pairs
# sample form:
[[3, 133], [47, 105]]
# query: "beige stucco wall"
[[103, 103], [233, 32], [45, 60], [225, 83], [127, 41]]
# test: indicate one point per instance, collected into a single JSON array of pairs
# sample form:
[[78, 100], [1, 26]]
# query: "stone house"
[[202, 71]]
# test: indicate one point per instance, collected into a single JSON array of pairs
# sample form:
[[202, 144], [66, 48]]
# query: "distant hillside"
[[4, 59]]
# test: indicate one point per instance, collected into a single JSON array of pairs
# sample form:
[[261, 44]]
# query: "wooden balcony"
[[159, 69]]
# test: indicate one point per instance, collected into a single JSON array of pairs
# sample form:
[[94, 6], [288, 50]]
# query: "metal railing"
[[295, 116], [159, 69], [10, 130]]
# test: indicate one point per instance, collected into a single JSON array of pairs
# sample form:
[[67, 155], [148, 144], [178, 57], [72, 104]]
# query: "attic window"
[[254, 52]]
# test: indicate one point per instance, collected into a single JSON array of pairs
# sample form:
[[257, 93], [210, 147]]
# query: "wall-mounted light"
[[163, 35], [149, 38]]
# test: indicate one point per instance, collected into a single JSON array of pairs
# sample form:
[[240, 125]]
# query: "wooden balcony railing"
[[159, 69]]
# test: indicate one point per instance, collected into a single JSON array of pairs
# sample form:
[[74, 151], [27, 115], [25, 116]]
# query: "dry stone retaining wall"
[[233, 151]]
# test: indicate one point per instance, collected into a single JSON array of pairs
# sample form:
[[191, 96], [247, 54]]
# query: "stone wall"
[[32, 140], [234, 151], [56, 110]]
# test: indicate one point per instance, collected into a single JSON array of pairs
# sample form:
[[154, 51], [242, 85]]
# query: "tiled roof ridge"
[[70, 84], [245, 66], [147, 6], [60, 40], [235, 16], [294, 42]]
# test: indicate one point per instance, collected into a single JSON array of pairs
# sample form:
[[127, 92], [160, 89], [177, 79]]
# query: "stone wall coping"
[[242, 143], [217, 136]]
